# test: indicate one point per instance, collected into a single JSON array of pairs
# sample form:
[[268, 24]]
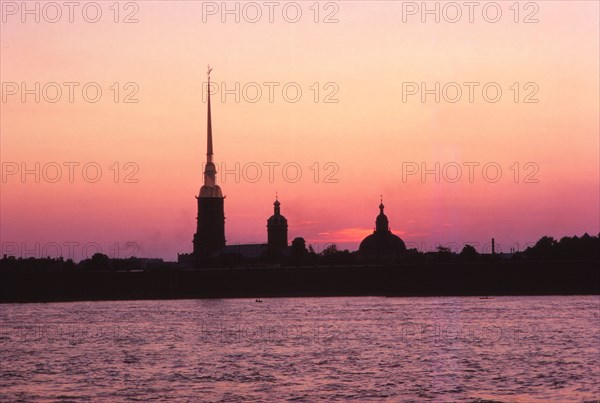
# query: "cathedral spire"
[[209, 145], [210, 188]]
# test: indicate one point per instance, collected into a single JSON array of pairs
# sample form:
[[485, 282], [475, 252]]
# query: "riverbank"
[[499, 278]]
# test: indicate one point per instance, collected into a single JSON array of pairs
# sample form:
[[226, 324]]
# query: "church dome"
[[382, 242], [277, 218]]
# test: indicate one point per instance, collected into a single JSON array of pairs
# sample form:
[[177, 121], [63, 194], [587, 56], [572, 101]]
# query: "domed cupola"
[[382, 243], [277, 218], [382, 224], [277, 228]]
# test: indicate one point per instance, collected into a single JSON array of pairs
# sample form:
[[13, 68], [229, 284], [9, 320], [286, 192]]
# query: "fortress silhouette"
[[209, 244], [382, 266]]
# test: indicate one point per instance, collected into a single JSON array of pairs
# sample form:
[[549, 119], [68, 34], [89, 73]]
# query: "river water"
[[509, 349]]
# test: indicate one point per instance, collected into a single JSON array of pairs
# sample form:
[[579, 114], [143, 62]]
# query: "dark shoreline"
[[441, 279]]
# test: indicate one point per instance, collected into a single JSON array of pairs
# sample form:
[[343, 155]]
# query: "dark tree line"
[[585, 247], [98, 262], [547, 248]]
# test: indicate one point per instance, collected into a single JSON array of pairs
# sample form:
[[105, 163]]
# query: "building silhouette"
[[209, 240], [274, 251], [381, 244], [209, 244], [210, 227], [277, 231]]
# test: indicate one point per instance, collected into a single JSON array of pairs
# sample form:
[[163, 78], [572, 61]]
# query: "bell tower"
[[277, 230], [210, 227]]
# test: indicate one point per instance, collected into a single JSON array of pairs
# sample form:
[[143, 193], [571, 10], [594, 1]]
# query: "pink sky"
[[369, 136]]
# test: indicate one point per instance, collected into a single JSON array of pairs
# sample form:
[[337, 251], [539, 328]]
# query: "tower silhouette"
[[382, 225], [277, 230], [210, 229]]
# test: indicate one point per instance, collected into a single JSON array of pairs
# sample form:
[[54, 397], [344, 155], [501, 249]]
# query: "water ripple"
[[511, 349]]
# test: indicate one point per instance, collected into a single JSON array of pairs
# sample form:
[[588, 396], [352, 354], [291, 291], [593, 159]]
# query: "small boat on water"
[[258, 300], [486, 297]]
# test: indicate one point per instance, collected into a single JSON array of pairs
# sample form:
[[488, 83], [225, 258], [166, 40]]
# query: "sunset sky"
[[365, 142]]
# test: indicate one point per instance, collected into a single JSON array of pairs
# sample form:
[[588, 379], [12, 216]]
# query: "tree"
[[545, 242], [99, 261], [443, 253], [468, 253], [545, 248], [69, 265], [330, 250]]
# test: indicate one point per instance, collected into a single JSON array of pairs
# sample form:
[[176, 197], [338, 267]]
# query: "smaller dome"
[[277, 220], [382, 223]]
